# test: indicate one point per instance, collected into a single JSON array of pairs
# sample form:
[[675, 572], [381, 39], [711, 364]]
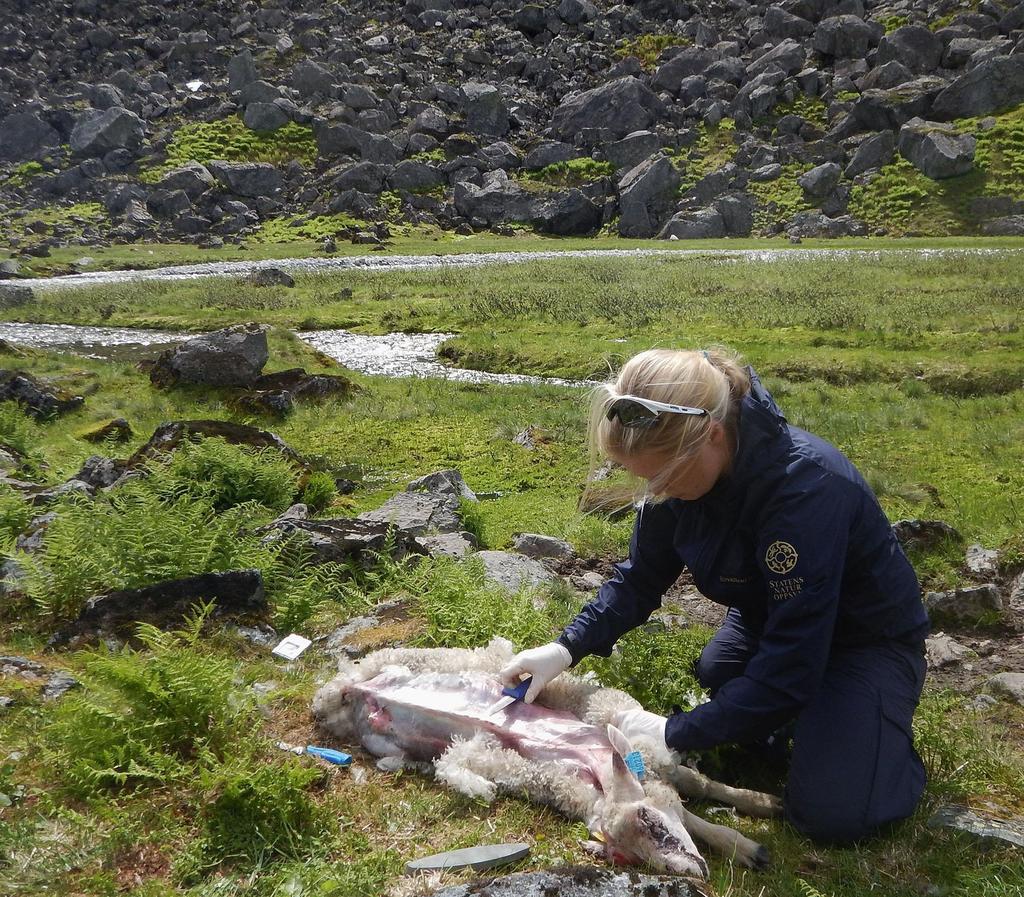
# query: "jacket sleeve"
[[801, 550], [634, 591]]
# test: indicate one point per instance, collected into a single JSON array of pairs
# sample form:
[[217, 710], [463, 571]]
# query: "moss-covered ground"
[[911, 365]]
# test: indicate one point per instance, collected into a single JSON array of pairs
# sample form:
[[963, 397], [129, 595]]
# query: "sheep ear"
[[624, 787], [619, 741]]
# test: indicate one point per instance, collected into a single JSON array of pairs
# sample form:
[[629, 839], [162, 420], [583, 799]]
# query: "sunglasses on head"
[[636, 413]]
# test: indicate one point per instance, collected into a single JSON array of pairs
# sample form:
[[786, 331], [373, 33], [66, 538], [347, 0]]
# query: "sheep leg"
[[728, 842], [692, 784]]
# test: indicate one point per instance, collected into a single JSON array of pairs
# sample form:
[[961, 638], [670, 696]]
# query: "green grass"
[[231, 141], [572, 173], [163, 765], [714, 148], [648, 47]]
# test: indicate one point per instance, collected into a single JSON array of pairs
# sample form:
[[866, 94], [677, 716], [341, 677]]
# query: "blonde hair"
[[714, 379]]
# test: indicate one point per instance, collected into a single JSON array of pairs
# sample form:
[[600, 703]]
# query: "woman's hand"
[[543, 663], [636, 724]]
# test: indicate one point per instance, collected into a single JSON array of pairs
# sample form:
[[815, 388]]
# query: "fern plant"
[[133, 538], [149, 714]]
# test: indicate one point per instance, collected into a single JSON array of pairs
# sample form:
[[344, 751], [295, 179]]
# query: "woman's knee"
[[828, 824]]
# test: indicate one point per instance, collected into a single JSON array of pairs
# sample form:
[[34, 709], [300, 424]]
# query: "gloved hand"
[[636, 724], [543, 663]]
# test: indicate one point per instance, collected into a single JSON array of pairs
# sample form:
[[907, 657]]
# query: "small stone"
[[982, 562], [443, 482], [970, 605], [513, 571], [456, 545], [985, 828], [941, 651], [58, 685], [539, 547], [1008, 685], [271, 277]]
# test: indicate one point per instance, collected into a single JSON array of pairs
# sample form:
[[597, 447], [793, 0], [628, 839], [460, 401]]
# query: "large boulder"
[[647, 194], [618, 108], [252, 179], [916, 47], [844, 37], [992, 86], [873, 152], [96, 132], [513, 571], [567, 214], [234, 356], [820, 180], [496, 201], [813, 223], [24, 136], [341, 139], [632, 149], [14, 295], [779, 23], [701, 224], [688, 62], [935, 150], [1007, 226], [264, 117], [417, 513], [485, 110], [193, 179], [787, 57], [38, 399], [888, 110], [415, 176], [311, 79]]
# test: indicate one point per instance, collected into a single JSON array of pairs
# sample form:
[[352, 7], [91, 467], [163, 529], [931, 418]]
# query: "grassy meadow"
[[160, 776]]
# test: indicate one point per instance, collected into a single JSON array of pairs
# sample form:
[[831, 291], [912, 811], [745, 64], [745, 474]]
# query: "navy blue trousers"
[[853, 766]]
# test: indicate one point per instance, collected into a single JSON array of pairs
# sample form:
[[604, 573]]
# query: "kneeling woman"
[[825, 628]]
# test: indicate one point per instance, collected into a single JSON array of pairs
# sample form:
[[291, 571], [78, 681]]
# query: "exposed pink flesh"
[[421, 714]]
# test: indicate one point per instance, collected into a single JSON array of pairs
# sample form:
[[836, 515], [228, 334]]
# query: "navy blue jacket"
[[795, 539]]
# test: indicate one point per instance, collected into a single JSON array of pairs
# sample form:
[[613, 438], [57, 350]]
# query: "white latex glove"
[[543, 663], [636, 724]]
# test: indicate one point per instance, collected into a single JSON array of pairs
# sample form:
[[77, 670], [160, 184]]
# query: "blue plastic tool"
[[330, 755]]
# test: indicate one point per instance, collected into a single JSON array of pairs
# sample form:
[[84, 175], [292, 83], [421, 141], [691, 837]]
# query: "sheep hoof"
[[762, 859]]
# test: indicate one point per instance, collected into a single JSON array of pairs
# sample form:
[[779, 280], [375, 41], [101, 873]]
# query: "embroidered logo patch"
[[780, 557]]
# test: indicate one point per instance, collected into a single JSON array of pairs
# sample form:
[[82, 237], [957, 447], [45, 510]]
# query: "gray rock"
[[935, 150], [575, 12], [567, 213], [924, 534], [311, 79], [25, 136], [646, 195], [485, 110], [960, 49], [418, 513], [431, 121], [968, 605], [454, 545], [618, 108], [241, 70], [992, 86], [844, 37], [345, 540], [539, 547], [688, 62], [234, 356], [698, 225], [779, 23], [264, 117], [982, 562], [192, 178], [1008, 685], [996, 832], [251, 179], [340, 139], [35, 397], [165, 604], [9, 269], [770, 172], [513, 571], [259, 92], [574, 882], [888, 110], [883, 77], [549, 152], [813, 223], [13, 295], [737, 211], [358, 97], [532, 20], [271, 277], [820, 180], [58, 685], [874, 152], [1008, 226], [916, 47], [941, 651], [632, 149], [787, 57], [496, 201], [366, 177], [443, 482], [414, 176], [96, 133]]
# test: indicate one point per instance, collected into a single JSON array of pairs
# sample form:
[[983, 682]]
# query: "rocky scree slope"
[[215, 122]]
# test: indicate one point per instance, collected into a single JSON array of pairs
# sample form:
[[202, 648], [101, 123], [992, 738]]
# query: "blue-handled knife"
[[509, 696]]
